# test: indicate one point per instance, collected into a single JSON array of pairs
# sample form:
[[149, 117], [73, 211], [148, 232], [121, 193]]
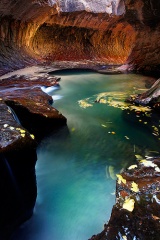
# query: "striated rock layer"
[[113, 32]]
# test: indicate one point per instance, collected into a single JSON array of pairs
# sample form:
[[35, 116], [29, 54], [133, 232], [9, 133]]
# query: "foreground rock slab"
[[31, 105], [136, 214]]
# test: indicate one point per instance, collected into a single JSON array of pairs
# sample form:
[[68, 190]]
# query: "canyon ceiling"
[[113, 32]]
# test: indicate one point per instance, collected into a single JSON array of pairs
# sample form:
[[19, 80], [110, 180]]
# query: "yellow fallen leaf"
[[148, 163], [103, 101], [32, 136], [84, 104], [129, 204], [138, 157], [120, 179], [23, 134], [132, 167], [134, 187], [22, 131], [124, 237]]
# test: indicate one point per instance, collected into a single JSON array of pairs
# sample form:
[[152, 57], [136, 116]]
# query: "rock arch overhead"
[[118, 32]]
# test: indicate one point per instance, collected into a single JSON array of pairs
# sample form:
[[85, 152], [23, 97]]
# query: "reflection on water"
[[77, 166]]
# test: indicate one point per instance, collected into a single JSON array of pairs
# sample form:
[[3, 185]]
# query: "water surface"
[[77, 166]]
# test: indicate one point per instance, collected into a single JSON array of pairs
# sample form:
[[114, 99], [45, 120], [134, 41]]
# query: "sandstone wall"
[[114, 32]]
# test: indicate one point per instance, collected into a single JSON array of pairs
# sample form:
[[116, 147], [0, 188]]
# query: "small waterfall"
[[14, 115]]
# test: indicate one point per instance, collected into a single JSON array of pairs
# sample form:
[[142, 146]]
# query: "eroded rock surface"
[[31, 105], [136, 214]]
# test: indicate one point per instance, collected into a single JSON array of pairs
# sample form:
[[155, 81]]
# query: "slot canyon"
[[108, 37]]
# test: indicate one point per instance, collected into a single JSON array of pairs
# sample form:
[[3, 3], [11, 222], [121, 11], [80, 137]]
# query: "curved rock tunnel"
[[40, 31]]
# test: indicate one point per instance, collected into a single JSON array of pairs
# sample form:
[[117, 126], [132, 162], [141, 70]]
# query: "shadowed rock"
[[17, 173]]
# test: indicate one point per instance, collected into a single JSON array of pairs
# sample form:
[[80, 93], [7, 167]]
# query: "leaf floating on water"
[[84, 104], [129, 204], [134, 187], [120, 179], [103, 125], [132, 167], [103, 100], [113, 132], [112, 172], [138, 157]]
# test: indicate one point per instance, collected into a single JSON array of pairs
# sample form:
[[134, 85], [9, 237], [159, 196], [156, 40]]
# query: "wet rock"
[[151, 97], [17, 173], [136, 214], [31, 105]]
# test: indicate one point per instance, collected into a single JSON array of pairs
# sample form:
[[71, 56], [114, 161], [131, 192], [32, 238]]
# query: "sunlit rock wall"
[[113, 32]]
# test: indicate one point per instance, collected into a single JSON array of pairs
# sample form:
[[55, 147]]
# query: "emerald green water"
[[76, 166]]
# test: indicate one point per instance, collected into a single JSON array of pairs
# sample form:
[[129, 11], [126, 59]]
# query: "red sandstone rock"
[[31, 104], [127, 33]]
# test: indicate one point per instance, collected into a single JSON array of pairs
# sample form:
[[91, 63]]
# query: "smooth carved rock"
[[115, 32], [31, 105]]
